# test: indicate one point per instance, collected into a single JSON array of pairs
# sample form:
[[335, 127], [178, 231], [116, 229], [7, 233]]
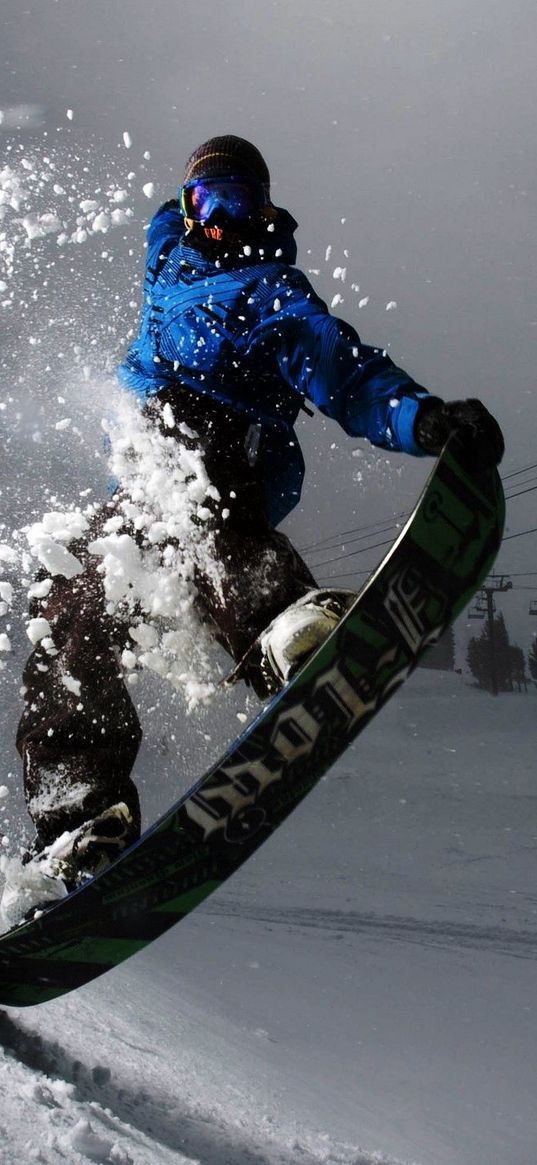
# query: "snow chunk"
[[71, 684], [92, 1146], [6, 592], [48, 644], [120, 217], [40, 590], [7, 554], [101, 223], [149, 189], [127, 140], [37, 226], [57, 559], [47, 540], [144, 634], [5, 643], [37, 630], [169, 419], [64, 526]]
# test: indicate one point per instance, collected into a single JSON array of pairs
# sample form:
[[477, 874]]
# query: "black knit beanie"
[[227, 156]]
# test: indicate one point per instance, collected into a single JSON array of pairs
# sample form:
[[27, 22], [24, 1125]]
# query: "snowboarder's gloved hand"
[[480, 432]]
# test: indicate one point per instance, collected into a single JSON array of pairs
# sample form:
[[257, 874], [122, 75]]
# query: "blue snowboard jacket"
[[253, 333]]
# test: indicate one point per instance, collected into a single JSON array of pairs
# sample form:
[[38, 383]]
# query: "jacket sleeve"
[[164, 232], [323, 359], [139, 372]]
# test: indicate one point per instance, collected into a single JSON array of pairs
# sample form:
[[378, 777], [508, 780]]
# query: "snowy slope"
[[362, 991]]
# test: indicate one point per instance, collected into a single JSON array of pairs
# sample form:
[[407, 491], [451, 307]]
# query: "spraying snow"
[[33, 204], [150, 547], [155, 536]]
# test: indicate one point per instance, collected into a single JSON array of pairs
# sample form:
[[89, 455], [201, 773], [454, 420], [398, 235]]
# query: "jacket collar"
[[273, 242]]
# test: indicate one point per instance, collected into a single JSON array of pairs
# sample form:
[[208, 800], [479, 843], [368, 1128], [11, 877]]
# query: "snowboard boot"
[[298, 631], [43, 878]]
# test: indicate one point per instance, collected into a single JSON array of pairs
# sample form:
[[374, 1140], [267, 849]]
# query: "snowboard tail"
[[431, 572]]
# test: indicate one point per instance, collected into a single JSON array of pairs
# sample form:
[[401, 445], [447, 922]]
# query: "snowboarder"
[[233, 340]]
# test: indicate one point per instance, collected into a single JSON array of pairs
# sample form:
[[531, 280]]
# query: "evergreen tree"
[[478, 659], [503, 655], [497, 658], [518, 668], [532, 660]]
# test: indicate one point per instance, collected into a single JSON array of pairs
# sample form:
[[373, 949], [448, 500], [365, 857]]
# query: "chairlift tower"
[[495, 584]]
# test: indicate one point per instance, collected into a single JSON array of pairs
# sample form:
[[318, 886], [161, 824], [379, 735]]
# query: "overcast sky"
[[412, 120]]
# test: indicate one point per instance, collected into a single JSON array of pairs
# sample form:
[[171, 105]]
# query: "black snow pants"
[[79, 740]]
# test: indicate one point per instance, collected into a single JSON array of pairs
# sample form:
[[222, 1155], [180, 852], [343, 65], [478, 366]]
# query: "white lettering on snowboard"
[[404, 602], [294, 735]]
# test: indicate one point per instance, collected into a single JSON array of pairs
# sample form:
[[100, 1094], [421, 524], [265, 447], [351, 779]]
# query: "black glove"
[[480, 433]]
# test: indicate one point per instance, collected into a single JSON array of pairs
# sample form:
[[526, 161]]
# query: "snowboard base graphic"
[[434, 567]]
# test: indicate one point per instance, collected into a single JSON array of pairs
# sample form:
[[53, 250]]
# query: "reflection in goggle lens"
[[238, 198]]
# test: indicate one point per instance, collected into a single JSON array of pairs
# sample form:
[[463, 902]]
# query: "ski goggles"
[[237, 197]]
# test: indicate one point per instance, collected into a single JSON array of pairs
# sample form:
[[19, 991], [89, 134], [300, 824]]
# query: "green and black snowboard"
[[436, 564]]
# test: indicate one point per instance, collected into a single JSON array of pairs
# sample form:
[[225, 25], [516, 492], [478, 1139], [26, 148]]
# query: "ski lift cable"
[[350, 541], [520, 534], [517, 472], [361, 550], [373, 546], [508, 497], [353, 573], [373, 527], [336, 539], [521, 484]]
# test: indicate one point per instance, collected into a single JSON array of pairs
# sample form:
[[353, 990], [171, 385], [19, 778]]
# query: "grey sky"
[[413, 120]]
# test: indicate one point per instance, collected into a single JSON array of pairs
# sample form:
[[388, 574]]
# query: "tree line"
[[495, 663]]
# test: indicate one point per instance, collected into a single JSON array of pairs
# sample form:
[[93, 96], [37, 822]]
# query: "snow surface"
[[362, 991]]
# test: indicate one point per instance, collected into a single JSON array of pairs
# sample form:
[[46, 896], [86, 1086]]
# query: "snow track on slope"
[[126, 1100], [54, 1109], [518, 944]]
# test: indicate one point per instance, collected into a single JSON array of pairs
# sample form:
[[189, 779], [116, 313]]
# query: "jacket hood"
[[266, 241]]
